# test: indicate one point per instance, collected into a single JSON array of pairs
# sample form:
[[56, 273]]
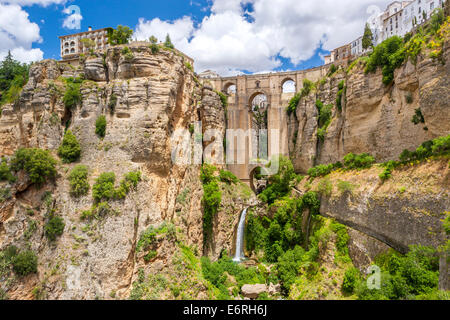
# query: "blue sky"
[[228, 36]]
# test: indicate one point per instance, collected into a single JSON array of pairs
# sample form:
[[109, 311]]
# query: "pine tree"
[[168, 43], [367, 38]]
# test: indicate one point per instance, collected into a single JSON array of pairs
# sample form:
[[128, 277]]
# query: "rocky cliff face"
[[375, 118], [145, 99]]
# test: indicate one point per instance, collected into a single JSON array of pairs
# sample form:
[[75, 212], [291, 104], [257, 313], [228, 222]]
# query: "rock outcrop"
[[375, 118]]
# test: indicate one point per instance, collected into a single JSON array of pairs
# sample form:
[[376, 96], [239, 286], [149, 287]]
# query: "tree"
[[13, 76], [153, 40], [168, 43], [70, 149], [367, 38], [121, 35]]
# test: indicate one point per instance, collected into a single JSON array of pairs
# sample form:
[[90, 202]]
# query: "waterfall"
[[239, 256]]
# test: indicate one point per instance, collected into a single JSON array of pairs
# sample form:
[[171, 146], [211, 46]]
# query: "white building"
[[72, 46], [399, 18]]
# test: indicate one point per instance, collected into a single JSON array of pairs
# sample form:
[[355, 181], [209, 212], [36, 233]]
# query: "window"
[[432, 5]]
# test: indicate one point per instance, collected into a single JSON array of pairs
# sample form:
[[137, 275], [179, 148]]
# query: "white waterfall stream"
[[239, 256]]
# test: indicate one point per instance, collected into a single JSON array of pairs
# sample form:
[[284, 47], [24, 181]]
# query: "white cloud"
[[18, 33], [43, 3], [180, 30], [227, 42]]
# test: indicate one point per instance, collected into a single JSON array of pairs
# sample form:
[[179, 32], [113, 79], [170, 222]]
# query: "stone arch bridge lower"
[[239, 112]]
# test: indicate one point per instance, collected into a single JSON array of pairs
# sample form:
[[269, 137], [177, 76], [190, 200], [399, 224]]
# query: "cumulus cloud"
[[73, 20], [231, 39], [18, 33]]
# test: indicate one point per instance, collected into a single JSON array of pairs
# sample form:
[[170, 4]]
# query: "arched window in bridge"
[[231, 90], [289, 86], [259, 102]]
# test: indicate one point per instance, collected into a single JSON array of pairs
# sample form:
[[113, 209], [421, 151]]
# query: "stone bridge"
[[277, 89]]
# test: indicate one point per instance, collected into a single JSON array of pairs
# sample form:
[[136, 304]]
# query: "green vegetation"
[[418, 117], [308, 86], [324, 119], [70, 149], [54, 227], [212, 197], [100, 126], [121, 35], [78, 178], [323, 169], [5, 172], [72, 96], [189, 66], [112, 103], [168, 43], [228, 177], [127, 53], [333, 69], [367, 41], [280, 184], [345, 186], [149, 237], [223, 98], [435, 148], [391, 53], [22, 262], [13, 76], [411, 276], [351, 162], [154, 45], [5, 194], [37, 163], [340, 94], [350, 280], [360, 161], [104, 188], [216, 274]]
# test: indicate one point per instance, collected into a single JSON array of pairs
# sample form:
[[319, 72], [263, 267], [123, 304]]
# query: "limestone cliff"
[[145, 98], [375, 118]]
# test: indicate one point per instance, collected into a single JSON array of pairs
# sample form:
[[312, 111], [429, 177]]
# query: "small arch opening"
[[230, 89], [289, 86]]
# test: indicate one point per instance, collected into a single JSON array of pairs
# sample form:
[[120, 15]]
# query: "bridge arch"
[[253, 173], [259, 98], [288, 85], [230, 88]]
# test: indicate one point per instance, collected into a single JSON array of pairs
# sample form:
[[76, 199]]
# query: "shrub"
[[112, 102], [207, 173], [345, 186], [70, 149], [78, 178], [361, 161], [212, 198], [72, 96], [103, 188], [150, 255], [333, 69], [228, 177], [189, 66], [130, 181], [5, 172], [54, 227], [418, 117], [121, 35], [389, 55], [325, 187], [280, 183], [350, 280], [37, 163], [323, 169], [223, 98], [127, 53], [293, 103], [5, 194], [146, 240], [25, 263], [100, 126]]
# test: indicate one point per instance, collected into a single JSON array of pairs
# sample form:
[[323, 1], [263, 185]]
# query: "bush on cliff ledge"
[[37, 163], [70, 149]]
